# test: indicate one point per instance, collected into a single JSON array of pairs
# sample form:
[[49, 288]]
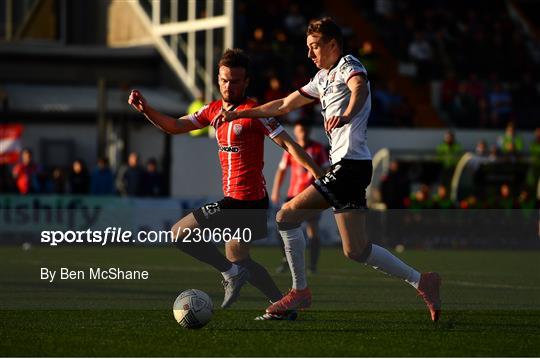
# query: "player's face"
[[319, 51], [301, 133], [232, 83]]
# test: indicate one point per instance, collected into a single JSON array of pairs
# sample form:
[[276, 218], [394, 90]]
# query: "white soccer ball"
[[193, 309]]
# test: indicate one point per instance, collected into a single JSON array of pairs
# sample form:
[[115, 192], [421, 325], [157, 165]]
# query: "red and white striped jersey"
[[10, 143], [300, 177], [241, 148]]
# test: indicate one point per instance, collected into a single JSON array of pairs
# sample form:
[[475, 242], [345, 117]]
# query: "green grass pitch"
[[491, 307]]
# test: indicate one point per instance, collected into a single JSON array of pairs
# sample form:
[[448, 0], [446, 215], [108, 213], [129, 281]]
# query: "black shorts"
[[235, 214], [344, 185]]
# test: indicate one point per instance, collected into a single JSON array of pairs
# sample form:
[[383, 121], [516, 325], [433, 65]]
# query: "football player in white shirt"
[[343, 88]]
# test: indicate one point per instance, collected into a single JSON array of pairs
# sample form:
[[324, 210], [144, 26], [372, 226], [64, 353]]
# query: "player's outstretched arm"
[[270, 109], [165, 123], [287, 143], [278, 181], [359, 95]]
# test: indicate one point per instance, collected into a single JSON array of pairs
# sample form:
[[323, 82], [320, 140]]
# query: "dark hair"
[[328, 29], [235, 58], [302, 122]]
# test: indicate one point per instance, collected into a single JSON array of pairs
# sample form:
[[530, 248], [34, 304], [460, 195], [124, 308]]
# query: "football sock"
[[295, 245], [314, 250], [381, 259], [282, 247], [231, 272], [260, 279], [206, 252]]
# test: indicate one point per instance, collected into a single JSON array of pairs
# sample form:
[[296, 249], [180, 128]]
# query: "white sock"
[[231, 272], [295, 245], [381, 259]]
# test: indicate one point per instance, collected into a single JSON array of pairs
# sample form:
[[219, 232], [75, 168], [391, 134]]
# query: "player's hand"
[[227, 116], [137, 101], [335, 122]]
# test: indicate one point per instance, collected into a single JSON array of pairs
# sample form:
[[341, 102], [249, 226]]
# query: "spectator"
[[441, 200], [294, 22], [464, 108], [79, 178], [392, 106], [475, 87], [102, 179], [471, 202], [129, 179], [58, 181], [500, 102], [493, 153], [274, 90], [25, 173], [7, 184], [481, 149], [449, 89], [510, 144], [395, 187], [421, 54], [505, 199], [448, 153], [152, 182], [526, 201], [420, 199]]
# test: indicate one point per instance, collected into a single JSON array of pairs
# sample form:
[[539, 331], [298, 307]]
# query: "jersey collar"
[[234, 105], [335, 64]]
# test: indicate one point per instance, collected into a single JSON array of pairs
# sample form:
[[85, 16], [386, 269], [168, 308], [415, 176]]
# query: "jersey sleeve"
[[351, 67], [285, 160], [310, 89], [201, 118], [269, 126]]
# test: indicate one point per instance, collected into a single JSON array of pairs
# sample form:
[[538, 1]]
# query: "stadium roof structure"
[[63, 99]]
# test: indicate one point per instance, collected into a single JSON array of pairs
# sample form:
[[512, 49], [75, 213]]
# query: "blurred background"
[[455, 89]]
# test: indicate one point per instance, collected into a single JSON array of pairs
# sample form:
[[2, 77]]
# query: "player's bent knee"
[[358, 255], [283, 215], [284, 221]]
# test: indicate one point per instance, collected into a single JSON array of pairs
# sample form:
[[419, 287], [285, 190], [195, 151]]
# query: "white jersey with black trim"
[[330, 87]]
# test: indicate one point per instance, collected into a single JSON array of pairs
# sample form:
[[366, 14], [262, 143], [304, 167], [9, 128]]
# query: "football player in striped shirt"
[[245, 202]]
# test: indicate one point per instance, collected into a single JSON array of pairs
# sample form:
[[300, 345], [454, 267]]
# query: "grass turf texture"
[[491, 307]]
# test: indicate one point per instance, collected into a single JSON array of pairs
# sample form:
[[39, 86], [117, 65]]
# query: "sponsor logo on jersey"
[[237, 129], [232, 149], [332, 77]]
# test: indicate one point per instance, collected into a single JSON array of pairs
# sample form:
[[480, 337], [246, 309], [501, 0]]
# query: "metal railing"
[[173, 26], [14, 16]]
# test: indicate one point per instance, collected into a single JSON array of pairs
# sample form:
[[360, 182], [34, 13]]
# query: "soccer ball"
[[193, 309]]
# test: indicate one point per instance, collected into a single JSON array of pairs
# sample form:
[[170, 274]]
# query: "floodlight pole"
[[9, 19]]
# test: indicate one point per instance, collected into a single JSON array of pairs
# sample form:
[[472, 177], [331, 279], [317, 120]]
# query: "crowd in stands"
[[277, 46], [28, 177], [396, 185], [487, 65]]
